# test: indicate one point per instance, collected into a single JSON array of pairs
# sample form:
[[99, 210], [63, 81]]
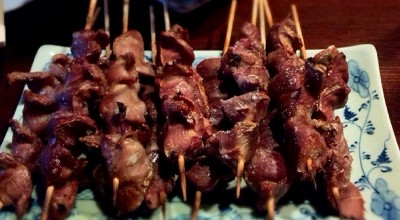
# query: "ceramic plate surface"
[[368, 131]]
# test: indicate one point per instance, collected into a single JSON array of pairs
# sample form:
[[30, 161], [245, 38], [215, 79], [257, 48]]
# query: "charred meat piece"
[[209, 70], [131, 42], [173, 46], [25, 146], [183, 81], [126, 160], [88, 44], [334, 75], [250, 106], [59, 165], [15, 184], [306, 94], [235, 144], [63, 200], [246, 61], [283, 36], [69, 127], [206, 173], [305, 143], [163, 180], [267, 175], [121, 102]]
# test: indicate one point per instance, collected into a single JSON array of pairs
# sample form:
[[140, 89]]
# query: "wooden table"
[[323, 22]]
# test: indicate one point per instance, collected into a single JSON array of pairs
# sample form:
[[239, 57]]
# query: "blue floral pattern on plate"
[[371, 140]]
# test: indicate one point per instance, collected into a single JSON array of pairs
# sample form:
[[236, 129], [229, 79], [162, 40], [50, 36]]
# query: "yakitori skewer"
[[230, 25], [162, 194], [303, 54], [50, 189]]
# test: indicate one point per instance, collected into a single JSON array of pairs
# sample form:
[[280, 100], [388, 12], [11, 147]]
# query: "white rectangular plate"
[[368, 131]]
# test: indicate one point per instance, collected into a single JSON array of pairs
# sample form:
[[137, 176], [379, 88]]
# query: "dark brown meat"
[[245, 62], [173, 46], [59, 165], [205, 174], [25, 145], [209, 70], [250, 106], [68, 127], [121, 102], [182, 140], [131, 42], [237, 143], [333, 86], [306, 95], [15, 184], [163, 180], [88, 44], [126, 160], [63, 200], [185, 107], [179, 80], [283, 36], [267, 175]]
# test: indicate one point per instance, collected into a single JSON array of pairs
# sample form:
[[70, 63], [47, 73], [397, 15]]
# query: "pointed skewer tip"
[[270, 203], [46, 204], [163, 203], [115, 189], [196, 205], [239, 174], [182, 172]]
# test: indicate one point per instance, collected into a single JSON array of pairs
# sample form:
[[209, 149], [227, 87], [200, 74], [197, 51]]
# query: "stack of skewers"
[[130, 129]]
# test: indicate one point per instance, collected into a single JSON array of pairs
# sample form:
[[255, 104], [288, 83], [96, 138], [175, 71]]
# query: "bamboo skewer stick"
[[115, 189], [230, 25], [239, 175], [182, 172], [254, 13], [125, 11], [262, 22], [303, 53], [152, 34], [166, 15], [163, 203], [336, 195], [268, 13], [89, 18], [270, 205], [46, 204], [107, 26], [196, 205]]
